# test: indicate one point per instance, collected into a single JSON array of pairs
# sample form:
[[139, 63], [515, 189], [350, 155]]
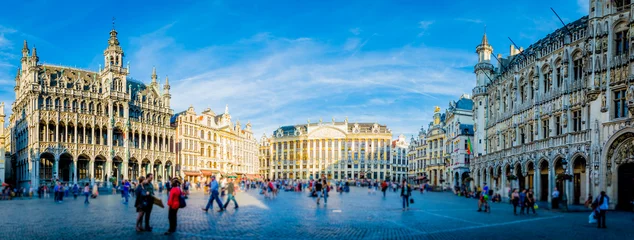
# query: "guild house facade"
[[558, 114]]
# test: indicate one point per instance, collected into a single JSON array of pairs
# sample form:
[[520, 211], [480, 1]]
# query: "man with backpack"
[[383, 187]]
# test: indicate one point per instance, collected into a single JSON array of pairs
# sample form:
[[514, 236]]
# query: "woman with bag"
[[176, 196], [515, 199], [140, 203], [406, 191]]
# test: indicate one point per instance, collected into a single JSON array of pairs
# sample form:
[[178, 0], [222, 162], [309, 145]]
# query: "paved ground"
[[354, 215]]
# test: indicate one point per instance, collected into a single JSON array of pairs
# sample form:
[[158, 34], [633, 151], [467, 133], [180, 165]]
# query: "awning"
[[421, 178], [209, 172], [191, 173], [252, 176]]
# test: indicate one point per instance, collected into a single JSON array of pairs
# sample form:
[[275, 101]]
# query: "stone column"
[[75, 169], [551, 176]]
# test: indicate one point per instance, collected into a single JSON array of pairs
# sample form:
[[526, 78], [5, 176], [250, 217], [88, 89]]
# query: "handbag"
[[411, 201], [181, 202], [535, 207]]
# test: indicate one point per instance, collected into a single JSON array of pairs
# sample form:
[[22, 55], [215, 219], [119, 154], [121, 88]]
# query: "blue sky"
[[282, 62]]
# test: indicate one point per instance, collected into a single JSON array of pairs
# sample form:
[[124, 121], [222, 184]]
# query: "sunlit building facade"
[[558, 114], [79, 125], [338, 150]]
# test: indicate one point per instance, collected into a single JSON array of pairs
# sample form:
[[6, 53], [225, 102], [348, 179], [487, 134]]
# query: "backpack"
[[181, 201]]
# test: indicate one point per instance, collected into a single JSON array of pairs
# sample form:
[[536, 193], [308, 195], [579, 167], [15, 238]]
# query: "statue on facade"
[[605, 44], [597, 81], [630, 94], [565, 119], [623, 74], [612, 75], [603, 79], [603, 101]]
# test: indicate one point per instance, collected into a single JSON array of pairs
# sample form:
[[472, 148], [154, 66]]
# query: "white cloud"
[[469, 20], [355, 31], [286, 81], [424, 25], [351, 44]]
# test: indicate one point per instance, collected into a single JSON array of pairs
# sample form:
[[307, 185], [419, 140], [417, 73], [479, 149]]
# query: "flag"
[[469, 149]]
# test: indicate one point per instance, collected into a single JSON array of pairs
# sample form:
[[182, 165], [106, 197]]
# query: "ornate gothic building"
[[80, 125], [559, 113]]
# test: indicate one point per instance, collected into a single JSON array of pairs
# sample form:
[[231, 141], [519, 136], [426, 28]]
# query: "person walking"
[[523, 202], [555, 200], [149, 188], [125, 190], [515, 199], [56, 190], [325, 189], [215, 195], [603, 202], [140, 203], [530, 201], [173, 204], [383, 187], [75, 191], [87, 192], [231, 194], [406, 192], [318, 189]]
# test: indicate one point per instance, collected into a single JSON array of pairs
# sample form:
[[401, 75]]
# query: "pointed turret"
[[25, 50], [34, 56], [485, 41], [166, 87], [227, 109], [113, 53], [484, 68], [17, 75], [153, 74]]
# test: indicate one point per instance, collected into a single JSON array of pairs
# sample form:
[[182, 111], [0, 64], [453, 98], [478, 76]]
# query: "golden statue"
[[437, 109]]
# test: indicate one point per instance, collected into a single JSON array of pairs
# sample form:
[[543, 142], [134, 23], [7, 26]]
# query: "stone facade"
[[264, 156], [210, 144], [559, 114], [78, 125], [459, 132], [339, 150], [398, 159]]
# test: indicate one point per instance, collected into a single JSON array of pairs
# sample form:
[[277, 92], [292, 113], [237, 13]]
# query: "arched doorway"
[[65, 168], [145, 167], [543, 180], [579, 180], [168, 169], [626, 186], [520, 177], [100, 168], [157, 170], [133, 169], [83, 170], [619, 169], [559, 170], [117, 169], [46, 167], [531, 176]]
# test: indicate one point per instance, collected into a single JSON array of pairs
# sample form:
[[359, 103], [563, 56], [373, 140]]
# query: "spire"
[[227, 109], [17, 75], [34, 55], [25, 49], [153, 74], [167, 83], [485, 41]]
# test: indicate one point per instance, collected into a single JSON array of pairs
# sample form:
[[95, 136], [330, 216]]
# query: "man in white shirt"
[[555, 199]]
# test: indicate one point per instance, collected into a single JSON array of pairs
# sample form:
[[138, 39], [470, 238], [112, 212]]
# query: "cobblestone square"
[[293, 215]]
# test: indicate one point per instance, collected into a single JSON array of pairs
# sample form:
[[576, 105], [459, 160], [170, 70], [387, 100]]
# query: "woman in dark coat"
[[140, 203], [406, 191]]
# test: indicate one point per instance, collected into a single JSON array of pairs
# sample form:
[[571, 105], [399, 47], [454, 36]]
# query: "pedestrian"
[[160, 185], [555, 200], [149, 188], [125, 189], [86, 192], [406, 192], [325, 189], [523, 202], [318, 187], [75, 191], [515, 200], [231, 193], [186, 188], [215, 195], [173, 204], [168, 188], [384, 187], [140, 203], [603, 201], [56, 190], [530, 201]]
